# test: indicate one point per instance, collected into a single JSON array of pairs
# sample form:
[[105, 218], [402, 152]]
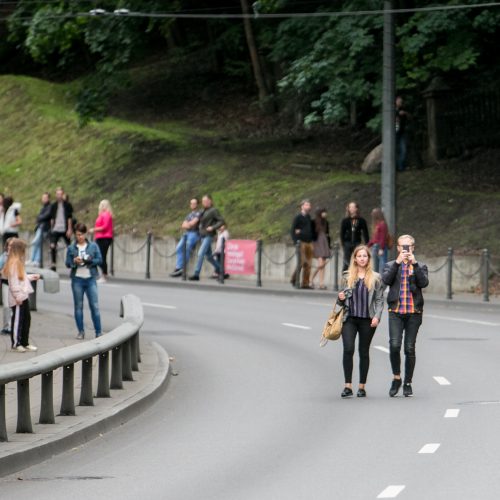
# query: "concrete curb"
[[71, 438]]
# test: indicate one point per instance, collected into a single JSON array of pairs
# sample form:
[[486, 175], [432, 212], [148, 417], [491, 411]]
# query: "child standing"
[[19, 291], [222, 235]]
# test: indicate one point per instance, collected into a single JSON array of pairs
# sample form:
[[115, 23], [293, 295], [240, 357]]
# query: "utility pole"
[[388, 125]]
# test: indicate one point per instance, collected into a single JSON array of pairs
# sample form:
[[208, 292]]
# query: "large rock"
[[373, 161]]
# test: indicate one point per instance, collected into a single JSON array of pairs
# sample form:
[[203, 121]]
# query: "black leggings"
[[104, 244], [351, 327], [20, 327]]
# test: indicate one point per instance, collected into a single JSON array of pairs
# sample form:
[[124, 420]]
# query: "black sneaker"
[[346, 393], [176, 274], [361, 393], [194, 277], [395, 386], [407, 391], [6, 331]]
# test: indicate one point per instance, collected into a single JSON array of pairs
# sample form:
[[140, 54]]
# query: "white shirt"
[[82, 271]]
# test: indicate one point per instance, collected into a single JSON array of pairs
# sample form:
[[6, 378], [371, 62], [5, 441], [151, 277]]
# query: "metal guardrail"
[[122, 343]]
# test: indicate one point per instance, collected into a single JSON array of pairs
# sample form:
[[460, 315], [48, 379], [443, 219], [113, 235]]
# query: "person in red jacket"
[[378, 242], [103, 235]]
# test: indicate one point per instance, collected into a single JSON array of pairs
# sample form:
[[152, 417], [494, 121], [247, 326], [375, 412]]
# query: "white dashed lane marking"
[[392, 491], [159, 306], [381, 348], [462, 320], [452, 413], [429, 448], [293, 325], [442, 380]]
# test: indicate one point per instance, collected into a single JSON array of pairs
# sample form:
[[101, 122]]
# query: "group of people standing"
[[314, 240]]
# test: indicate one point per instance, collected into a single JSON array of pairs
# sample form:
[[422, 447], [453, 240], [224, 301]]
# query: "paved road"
[[255, 412]]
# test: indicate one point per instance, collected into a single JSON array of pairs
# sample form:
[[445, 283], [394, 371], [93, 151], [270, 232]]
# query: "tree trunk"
[[254, 56]]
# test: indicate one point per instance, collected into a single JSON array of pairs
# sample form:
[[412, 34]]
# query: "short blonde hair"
[[105, 205], [407, 237]]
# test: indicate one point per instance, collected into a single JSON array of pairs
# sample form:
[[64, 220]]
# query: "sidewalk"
[[49, 332], [234, 284]]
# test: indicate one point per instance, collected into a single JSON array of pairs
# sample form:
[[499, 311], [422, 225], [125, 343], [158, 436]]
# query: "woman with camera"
[[362, 296], [82, 258]]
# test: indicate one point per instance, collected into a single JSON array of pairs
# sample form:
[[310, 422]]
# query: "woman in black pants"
[[363, 299]]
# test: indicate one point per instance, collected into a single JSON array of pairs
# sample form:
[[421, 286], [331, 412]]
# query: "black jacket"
[[44, 216], [351, 234], [305, 225], [68, 213], [210, 217], [391, 276]]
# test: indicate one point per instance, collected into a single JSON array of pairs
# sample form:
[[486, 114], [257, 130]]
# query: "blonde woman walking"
[[362, 296], [103, 235]]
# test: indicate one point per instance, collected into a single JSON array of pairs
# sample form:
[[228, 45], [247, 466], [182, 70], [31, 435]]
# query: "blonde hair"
[[105, 205], [407, 237], [16, 258], [371, 277]]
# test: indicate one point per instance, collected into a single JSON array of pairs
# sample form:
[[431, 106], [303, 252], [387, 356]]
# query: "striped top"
[[358, 304], [405, 304]]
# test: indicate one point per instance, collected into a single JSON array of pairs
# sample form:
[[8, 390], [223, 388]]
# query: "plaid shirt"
[[405, 304]]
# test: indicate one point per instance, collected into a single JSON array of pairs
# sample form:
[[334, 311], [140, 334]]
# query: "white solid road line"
[[159, 306], [429, 448], [392, 491], [381, 348], [293, 325], [462, 320], [442, 380], [451, 413]]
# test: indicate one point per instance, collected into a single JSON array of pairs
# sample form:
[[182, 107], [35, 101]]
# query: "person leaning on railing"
[[83, 257]]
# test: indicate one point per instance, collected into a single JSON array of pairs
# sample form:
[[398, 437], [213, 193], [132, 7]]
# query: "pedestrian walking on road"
[[406, 278], [378, 242], [353, 232], [362, 296], [210, 221], [42, 229], [61, 224], [321, 247], [82, 258], [19, 291], [190, 237], [12, 218], [103, 235], [303, 234]]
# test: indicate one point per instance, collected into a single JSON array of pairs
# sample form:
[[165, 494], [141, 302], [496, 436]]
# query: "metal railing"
[[122, 343]]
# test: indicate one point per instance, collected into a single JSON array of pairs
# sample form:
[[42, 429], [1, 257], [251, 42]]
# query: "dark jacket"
[[68, 213], [44, 216], [351, 234], [210, 217], [305, 225], [391, 276], [94, 258]]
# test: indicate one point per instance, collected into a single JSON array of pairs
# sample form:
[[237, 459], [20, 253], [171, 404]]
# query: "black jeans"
[[104, 244], [409, 324], [55, 236], [351, 327]]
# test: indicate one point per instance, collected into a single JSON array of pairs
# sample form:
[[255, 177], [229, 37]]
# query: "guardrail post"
[[486, 275], [126, 362], [86, 394], [23, 407], [298, 264], [3, 427], [116, 369], [68, 391], [32, 297], [103, 376], [148, 255], [221, 261], [449, 275], [47, 399], [184, 258], [112, 258], [134, 352], [335, 267], [259, 263]]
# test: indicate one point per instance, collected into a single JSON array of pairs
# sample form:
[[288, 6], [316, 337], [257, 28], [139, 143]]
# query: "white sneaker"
[[19, 348], [32, 348]]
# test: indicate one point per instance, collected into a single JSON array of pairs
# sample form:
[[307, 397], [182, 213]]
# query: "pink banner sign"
[[239, 257]]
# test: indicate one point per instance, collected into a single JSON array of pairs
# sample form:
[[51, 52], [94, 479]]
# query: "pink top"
[[104, 220], [19, 290], [380, 235]]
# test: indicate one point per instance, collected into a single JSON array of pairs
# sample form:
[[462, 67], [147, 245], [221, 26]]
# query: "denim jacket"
[[92, 251]]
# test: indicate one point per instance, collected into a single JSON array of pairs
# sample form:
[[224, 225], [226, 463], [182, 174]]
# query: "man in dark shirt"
[[189, 238], [61, 224], [303, 232]]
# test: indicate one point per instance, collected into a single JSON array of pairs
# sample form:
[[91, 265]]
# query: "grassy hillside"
[[149, 170]]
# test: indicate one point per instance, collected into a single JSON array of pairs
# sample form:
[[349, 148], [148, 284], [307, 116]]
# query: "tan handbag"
[[333, 326]]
